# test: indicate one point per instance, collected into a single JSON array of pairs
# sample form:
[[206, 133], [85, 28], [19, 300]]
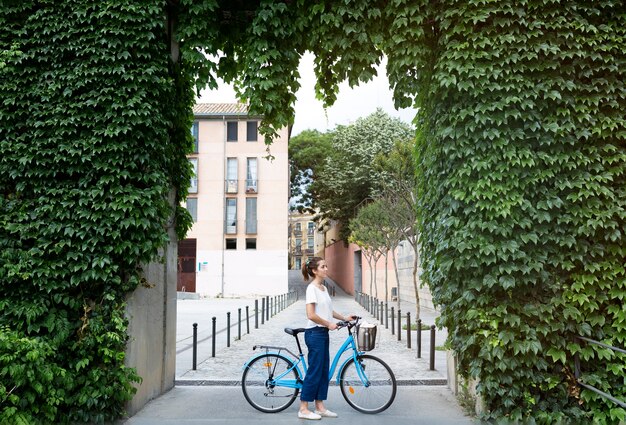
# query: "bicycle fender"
[[251, 359]]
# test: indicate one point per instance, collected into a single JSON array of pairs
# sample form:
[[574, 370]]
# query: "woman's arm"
[[342, 317], [312, 316]]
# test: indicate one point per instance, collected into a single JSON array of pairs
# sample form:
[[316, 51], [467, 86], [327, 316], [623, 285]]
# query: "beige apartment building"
[[305, 241], [239, 202]]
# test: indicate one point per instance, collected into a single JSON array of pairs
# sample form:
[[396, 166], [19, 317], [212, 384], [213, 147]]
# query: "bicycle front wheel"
[[379, 389], [260, 390]]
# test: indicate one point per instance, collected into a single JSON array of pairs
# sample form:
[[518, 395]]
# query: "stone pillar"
[[151, 311]]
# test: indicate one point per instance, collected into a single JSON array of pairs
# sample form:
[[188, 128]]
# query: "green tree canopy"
[[307, 155], [348, 177]]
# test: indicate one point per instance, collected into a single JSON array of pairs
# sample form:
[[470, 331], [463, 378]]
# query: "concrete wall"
[[151, 310]]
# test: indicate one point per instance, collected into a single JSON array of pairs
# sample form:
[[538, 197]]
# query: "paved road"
[[226, 405]]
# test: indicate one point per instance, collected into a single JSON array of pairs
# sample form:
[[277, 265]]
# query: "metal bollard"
[[195, 346], [399, 325], [382, 310], [263, 310], [267, 309], [393, 322], [386, 316], [432, 347], [256, 314], [408, 330], [239, 326], [247, 319], [228, 329], [213, 338], [419, 338]]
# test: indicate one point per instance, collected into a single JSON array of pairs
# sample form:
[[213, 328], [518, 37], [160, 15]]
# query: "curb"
[[231, 383]]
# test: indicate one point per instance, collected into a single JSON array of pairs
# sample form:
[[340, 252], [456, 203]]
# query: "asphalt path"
[[226, 405]]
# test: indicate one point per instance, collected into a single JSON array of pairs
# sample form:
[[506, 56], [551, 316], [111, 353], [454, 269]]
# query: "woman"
[[320, 315]]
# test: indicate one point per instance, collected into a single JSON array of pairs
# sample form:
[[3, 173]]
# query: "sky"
[[351, 104]]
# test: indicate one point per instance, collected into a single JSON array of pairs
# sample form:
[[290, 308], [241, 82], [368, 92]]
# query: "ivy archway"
[[520, 151]]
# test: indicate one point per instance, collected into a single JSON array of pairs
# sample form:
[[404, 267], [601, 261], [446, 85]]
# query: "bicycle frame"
[[348, 344]]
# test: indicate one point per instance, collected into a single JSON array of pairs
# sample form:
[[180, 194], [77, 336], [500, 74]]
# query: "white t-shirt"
[[323, 304]]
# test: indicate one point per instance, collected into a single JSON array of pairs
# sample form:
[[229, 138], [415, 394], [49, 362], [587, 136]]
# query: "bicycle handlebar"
[[344, 323]]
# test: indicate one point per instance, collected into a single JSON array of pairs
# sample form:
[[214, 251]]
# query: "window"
[[193, 187], [252, 132], [298, 263], [250, 243], [309, 243], [231, 175], [194, 134], [192, 207], [231, 131], [231, 215], [298, 229], [298, 246], [311, 228], [250, 215], [251, 176], [231, 243]]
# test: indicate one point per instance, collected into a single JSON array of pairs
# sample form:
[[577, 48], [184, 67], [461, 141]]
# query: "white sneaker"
[[309, 415], [327, 414]]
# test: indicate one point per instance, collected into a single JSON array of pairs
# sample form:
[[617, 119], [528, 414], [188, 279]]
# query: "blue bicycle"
[[272, 380]]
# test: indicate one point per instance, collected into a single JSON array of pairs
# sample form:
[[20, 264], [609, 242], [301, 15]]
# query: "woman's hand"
[[332, 326]]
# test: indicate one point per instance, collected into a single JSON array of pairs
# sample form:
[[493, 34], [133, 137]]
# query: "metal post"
[[419, 338], [393, 322], [239, 326], [195, 346], [408, 330], [247, 319], [386, 316], [432, 347], [263, 310], [382, 310], [213, 338], [228, 329], [256, 314], [399, 325], [267, 309]]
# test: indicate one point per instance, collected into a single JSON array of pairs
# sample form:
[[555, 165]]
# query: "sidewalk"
[[227, 365]]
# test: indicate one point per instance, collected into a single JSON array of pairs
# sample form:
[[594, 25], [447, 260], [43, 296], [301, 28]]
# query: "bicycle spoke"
[[259, 387], [376, 393]]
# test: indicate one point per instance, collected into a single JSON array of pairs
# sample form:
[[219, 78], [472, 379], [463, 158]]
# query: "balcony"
[[297, 250], [308, 251], [251, 186], [230, 185]]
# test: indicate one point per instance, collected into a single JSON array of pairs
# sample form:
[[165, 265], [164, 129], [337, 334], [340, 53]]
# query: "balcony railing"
[[230, 185], [297, 232], [308, 251], [251, 186], [297, 250]]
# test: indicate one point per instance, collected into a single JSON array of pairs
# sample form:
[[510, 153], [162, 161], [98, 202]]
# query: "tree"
[[348, 176], [307, 153], [365, 231], [397, 185]]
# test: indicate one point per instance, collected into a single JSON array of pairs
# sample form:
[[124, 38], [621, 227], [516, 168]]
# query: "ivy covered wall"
[[522, 173], [94, 123]]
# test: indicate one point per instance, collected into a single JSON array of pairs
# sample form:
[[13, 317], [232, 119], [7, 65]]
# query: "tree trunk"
[[386, 273], [417, 293], [395, 269]]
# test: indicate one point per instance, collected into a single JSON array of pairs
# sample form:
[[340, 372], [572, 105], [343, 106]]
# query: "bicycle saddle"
[[294, 332]]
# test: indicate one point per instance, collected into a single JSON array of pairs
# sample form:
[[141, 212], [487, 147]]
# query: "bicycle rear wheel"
[[377, 393], [258, 389]]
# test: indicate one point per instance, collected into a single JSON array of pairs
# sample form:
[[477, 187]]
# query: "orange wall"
[[340, 260]]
